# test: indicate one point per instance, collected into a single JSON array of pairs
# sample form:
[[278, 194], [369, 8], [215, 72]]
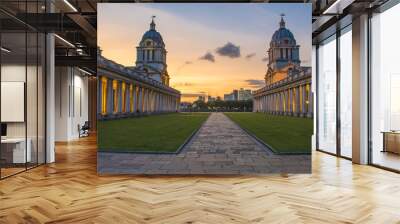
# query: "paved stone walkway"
[[219, 147]]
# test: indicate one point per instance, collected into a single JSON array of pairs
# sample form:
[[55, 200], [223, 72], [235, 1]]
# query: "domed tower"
[[283, 54], [151, 55]]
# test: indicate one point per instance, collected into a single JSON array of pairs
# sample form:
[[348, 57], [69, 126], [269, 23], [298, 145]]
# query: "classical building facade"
[[143, 89], [287, 88]]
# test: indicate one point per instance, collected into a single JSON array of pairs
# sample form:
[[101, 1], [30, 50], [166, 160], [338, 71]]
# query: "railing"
[[291, 78]]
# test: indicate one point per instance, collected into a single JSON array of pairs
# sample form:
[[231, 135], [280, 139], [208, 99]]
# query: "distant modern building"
[[288, 84], [210, 99], [238, 95], [201, 98], [184, 106], [235, 93], [229, 97], [244, 94]]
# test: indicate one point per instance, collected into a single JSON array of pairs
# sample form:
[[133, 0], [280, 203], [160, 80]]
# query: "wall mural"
[[204, 88]]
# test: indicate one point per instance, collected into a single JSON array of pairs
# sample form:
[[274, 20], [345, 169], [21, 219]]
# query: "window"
[[22, 75], [385, 89], [327, 95], [346, 92]]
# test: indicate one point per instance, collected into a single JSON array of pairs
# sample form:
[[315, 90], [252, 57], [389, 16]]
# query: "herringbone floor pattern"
[[70, 191]]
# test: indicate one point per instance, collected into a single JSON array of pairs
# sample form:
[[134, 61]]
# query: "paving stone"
[[219, 147]]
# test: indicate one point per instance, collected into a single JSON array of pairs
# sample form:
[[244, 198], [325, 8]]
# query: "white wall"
[[13, 73], [71, 102]]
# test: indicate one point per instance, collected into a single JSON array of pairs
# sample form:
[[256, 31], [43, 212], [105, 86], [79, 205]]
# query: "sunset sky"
[[212, 48]]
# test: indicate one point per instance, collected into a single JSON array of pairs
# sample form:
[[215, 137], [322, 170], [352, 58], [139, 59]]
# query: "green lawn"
[[282, 133], [156, 133]]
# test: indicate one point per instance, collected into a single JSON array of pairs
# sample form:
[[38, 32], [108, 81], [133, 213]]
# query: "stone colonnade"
[[125, 92], [292, 99], [121, 97]]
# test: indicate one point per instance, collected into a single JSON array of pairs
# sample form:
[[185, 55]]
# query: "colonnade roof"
[[304, 74], [131, 73]]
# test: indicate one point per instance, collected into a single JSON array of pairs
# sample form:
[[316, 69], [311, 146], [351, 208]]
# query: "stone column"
[[155, 101], [304, 99], [282, 95], [159, 102], [297, 101], [144, 90], [283, 102], [99, 94], [273, 103], [169, 103], [141, 98], [119, 97], [263, 105], [310, 101], [162, 103], [270, 103], [256, 106], [137, 99], [290, 101], [110, 96], [146, 100], [150, 107], [134, 98]]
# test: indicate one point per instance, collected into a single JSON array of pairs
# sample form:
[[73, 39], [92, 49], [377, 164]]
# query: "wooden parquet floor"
[[70, 191]]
